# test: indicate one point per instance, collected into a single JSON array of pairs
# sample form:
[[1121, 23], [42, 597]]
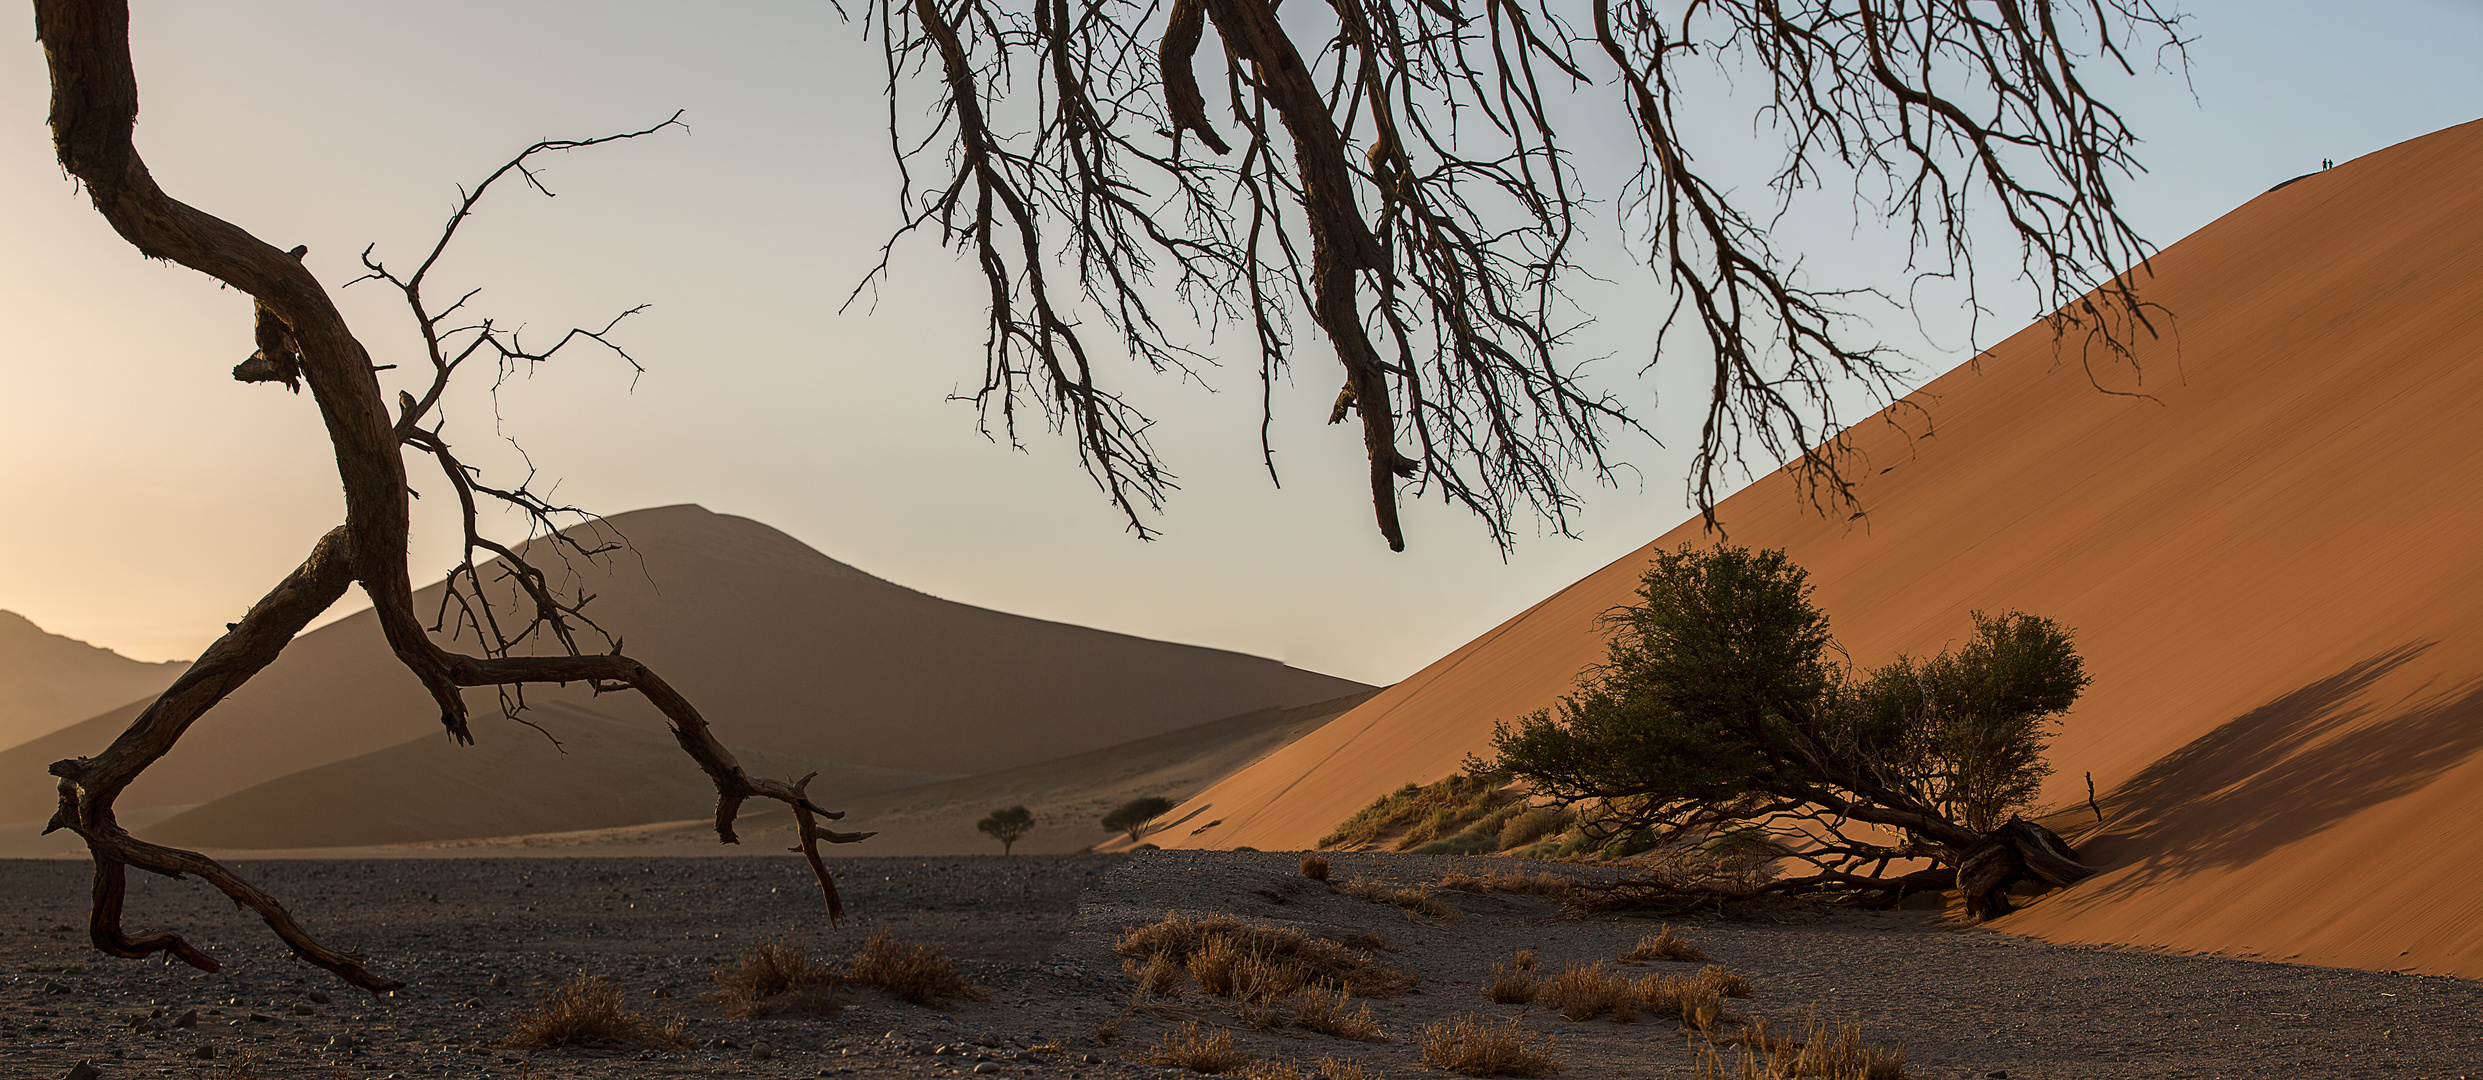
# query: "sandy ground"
[[480, 939]]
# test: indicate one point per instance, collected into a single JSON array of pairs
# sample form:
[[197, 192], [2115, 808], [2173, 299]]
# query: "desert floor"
[[479, 940]]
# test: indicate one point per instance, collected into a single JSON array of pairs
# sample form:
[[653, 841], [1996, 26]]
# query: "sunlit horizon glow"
[[153, 499]]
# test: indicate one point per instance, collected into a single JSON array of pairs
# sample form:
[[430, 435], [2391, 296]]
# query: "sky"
[[150, 499]]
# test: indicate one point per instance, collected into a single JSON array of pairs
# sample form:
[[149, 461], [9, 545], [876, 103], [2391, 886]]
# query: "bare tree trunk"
[[94, 108]]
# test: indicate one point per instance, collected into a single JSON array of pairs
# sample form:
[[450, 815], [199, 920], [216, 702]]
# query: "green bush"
[[1722, 700], [1134, 817]]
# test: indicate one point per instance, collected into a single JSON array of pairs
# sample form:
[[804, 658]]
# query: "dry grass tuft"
[[1156, 975], [1332, 1012], [1477, 1047], [1697, 1001], [777, 977], [1665, 945], [1523, 959], [1193, 1049], [587, 1011], [1315, 867], [1824, 1051], [912, 972], [1328, 1069], [241, 1066], [1257, 963], [1538, 883], [1725, 981], [1512, 986], [1417, 813], [1415, 899], [1586, 991]]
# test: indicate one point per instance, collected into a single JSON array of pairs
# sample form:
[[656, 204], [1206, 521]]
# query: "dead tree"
[[1395, 170], [300, 336]]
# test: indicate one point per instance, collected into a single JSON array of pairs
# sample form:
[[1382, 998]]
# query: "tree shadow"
[[2284, 772]]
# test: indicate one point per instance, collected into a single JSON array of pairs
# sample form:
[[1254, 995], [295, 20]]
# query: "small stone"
[[187, 1020], [498, 981], [55, 987], [205, 1053], [760, 1052], [260, 1018], [317, 998], [987, 1067], [82, 1071], [1997, 1074], [303, 1008]]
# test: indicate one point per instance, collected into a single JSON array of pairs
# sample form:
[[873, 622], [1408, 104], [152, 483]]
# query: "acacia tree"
[[1722, 715], [528, 633], [1402, 173], [1008, 826]]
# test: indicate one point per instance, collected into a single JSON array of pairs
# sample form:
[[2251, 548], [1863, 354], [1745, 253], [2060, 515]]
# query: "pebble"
[[83, 1070]]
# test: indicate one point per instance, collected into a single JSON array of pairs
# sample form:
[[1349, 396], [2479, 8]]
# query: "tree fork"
[[94, 111]]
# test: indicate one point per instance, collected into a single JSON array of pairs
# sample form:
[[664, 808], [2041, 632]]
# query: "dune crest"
[[2265, 541]]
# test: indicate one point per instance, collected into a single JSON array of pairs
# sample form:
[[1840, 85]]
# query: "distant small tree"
[[1008, 826], [1133, 817], [1723, 707]]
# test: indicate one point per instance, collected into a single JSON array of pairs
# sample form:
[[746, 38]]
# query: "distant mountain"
[[48, 682], [782, 648]]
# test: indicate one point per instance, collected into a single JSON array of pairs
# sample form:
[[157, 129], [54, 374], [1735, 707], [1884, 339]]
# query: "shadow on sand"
[[2284, 772]]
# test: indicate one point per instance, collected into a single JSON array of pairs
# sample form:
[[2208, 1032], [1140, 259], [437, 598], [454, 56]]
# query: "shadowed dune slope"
[[48, 682], [2270, 560], [780, 647]]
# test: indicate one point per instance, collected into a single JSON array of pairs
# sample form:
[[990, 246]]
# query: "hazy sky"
[[150, 499]]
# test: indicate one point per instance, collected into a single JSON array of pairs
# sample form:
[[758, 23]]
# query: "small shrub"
[[1154, 975], [1474, 1046], [1523, 959], [1134, 818], [1332, 1012], [1328, 1069], [1511, 986], [1315, 867], [1585, 991], [587, 1011], [1666, 945], [773, 978], [1192, 1049], [1697, 1002], [911, 972], [1261, 960], [1415, 899]]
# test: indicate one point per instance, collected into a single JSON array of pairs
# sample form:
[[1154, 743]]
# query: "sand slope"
[[781, 647], [48, 682], [2270, 560]]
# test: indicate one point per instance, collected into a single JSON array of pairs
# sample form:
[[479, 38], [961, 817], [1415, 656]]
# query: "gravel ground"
[[478, 940]]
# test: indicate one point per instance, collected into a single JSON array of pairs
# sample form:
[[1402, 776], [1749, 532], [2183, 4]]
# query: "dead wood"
[[299, 332]]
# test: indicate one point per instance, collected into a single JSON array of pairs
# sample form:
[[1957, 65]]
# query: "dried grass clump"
[[587, 1011], [1315, 867], [1423, 813], [1725, 981], [241, 1066], [1474, 1046], [1193, 1049], [1332, 1012], [1586, 991], [1824, 1051], [1415, 899], [1665, 945], [1156, 975], [1537, 883], [777, 977], [1698, 1003], [1511, 986], [913, 972], [1257, 963], [1328, 1069]]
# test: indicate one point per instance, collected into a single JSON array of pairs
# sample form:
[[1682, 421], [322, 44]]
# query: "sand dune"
[[782, 648], [48, 682], [2269, 558]]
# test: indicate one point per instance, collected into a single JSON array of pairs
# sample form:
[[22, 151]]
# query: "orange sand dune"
[[782, 649], [2270, 560]]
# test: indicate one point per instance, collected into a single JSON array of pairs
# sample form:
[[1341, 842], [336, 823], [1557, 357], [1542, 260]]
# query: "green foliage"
[[1134, 816], [1008, 826], [1720, 703]]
